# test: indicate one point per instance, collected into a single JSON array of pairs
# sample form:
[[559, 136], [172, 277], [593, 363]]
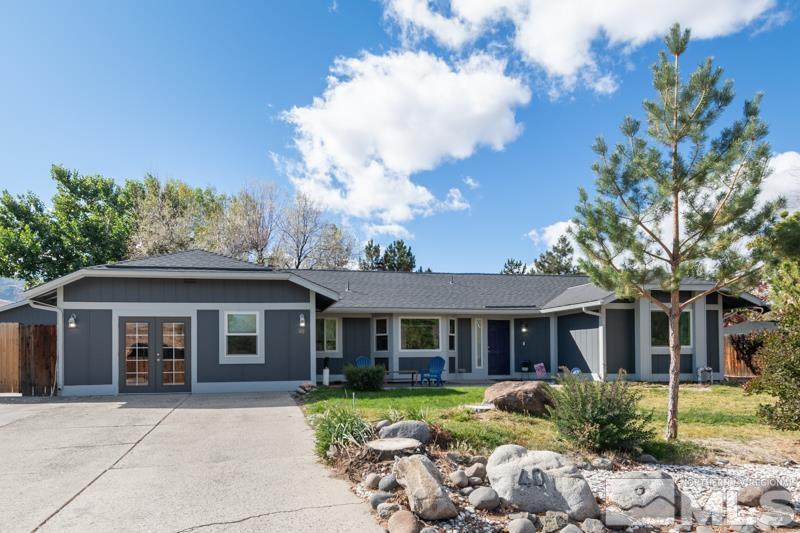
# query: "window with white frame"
[[451, 334], [326, 335], [381, 334], [241, 333], [659, 329], [419, 334]]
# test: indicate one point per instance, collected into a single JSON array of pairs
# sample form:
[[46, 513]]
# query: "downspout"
[[588, 312]]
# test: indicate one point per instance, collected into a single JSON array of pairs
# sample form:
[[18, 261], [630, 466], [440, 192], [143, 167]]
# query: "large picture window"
[[419, 333], [326, 335], [241, 334], [659, 329]]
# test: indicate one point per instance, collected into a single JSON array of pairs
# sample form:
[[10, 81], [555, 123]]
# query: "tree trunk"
[[674, 366]]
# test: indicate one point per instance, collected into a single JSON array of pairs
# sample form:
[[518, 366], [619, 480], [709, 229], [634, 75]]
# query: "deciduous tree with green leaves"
[[676, 197]]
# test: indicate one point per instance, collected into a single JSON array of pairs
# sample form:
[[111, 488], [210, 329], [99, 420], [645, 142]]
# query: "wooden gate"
[[736, 366], [27, 358]]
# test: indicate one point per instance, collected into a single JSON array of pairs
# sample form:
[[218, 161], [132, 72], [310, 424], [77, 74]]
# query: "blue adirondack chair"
[[434, 372], [363, 362]]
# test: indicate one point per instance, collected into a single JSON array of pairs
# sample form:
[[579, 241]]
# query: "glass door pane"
[[173, 353], [137, 354]]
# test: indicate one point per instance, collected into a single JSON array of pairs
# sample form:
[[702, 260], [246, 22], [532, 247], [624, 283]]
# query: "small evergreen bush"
[[778, 362], [340, 427], [599, 415], [365, 379]]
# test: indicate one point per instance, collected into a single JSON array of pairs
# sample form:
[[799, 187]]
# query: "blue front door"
[[499, 347]]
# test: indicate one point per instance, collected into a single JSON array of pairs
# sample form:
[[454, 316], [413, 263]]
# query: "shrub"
[[365, 379], [778, 361], [340, 427], [599, 415]]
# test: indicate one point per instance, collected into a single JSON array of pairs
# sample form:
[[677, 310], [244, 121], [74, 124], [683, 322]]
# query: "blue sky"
[[200, 91]]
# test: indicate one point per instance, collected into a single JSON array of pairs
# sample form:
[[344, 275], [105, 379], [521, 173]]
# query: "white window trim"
[[688, 348], [324, 351], [421, 350], [376, 335], [454, 334], [248, 359], [479, 344]]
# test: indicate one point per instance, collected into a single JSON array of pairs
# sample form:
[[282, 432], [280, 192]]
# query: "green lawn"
[[713, 420]]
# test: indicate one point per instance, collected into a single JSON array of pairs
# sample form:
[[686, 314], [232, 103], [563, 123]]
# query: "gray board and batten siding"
[[27, 315], [578, 342], [87, 360]]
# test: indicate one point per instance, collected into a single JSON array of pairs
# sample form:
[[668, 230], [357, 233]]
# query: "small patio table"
[[401, 376]]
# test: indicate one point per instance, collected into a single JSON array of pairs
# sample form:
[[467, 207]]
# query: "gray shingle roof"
[[578, 294], [188, 260], [407, 290]]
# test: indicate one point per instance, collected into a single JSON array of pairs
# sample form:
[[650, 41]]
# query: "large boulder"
[[423, 484], [403, 522], [539, 481], [528, 397], [407, 429], [768, 493], [648, 494]]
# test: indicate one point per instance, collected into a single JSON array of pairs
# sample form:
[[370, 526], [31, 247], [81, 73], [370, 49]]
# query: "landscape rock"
[[478, 459], [423, 484], [768, 493], [377, 498], [615, 520], [744, 528], [484, 498], [388, 483], [646, 458], [774, 520], [380, 424], [521, 525], [429, 529], [647, 494], [371, 481], [571, 528], [593, 525], [403, 522], [459, 478], [466, 491], [527, 397], [554, 521], [407, 429], [459, 458], [601, 463], [387, 509], [475, 481], [538, 481], [387, 449], [704, 529], [476, 470]]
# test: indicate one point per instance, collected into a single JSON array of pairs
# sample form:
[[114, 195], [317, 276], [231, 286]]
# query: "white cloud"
[[384, 118], [784, 180], [549, 235], [561, 36], [471, 182], [390, 230]]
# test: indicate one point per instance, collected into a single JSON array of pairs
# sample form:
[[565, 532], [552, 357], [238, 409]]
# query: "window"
[[451, 334], [419, 333], [659, 329], [326, 334], [381, 334], [478, 343], [241, 334]]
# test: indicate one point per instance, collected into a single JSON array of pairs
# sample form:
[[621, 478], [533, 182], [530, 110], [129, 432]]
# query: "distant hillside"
[[10, 289]]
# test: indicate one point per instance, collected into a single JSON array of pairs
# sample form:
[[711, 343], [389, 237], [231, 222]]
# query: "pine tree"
[[398, 257], [514, 266], [557, 260], [373, 260], [675, 198]]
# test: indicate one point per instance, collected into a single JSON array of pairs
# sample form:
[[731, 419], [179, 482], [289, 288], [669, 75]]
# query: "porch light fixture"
[[524, 328], [302, 320], [72, 322]]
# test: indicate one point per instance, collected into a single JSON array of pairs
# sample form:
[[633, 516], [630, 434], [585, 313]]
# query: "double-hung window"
[[241, 332], [381, 334], [326, 335], [419, 334]]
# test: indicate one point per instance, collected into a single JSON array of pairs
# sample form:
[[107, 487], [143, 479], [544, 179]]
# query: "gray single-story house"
[[202, 322]]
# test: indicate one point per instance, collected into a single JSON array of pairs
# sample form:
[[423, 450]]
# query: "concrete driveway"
[[173, 463]]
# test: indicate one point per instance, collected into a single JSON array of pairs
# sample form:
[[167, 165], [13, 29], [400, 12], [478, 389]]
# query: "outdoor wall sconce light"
[[524, 328], [302, 320], [72, 322]]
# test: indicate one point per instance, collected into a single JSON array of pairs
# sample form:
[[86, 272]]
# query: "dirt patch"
[[768, 450]]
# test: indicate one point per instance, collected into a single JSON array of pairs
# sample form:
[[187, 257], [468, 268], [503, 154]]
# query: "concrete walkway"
[[167, 463]]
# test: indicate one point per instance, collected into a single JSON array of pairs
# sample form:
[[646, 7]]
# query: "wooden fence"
[[735, 365], [27, 358]]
